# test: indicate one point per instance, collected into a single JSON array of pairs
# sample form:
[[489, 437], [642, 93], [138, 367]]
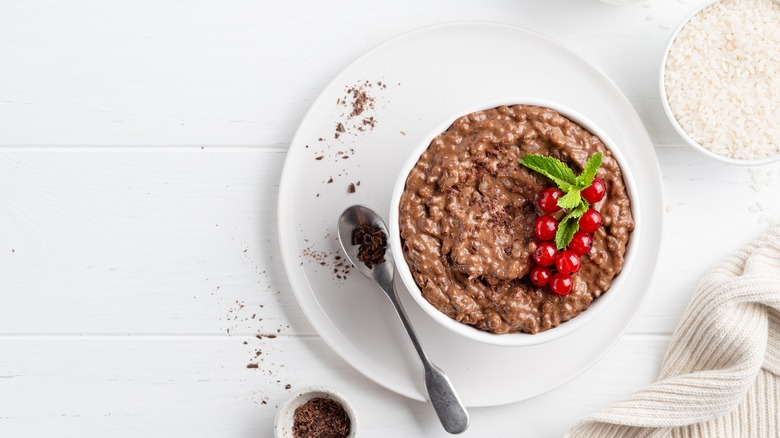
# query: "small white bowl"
[[513, 339], [284, 420], [668, 109]]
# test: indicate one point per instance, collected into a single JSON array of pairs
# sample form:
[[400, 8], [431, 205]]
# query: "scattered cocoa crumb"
[[321, 418], [351, 188], [403, 133], [360, 101], [270, 336], [358, 104], [287, 386], [328, 258], [319, 157], [252, 365], [358, 183], [330, 180]]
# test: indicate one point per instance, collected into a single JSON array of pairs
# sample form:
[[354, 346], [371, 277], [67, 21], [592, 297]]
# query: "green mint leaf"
[[570, 200], [579, 210], [566, 230], [586, 177], [570, 224], [571, 185], [552, 168]]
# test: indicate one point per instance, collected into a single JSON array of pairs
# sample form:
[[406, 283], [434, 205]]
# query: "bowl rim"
[[668, 109], [512, 339], [285, 412]]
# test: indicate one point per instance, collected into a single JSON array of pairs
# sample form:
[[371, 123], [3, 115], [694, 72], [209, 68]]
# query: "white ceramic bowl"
[[670, 115], [283, 422], [512, 339]]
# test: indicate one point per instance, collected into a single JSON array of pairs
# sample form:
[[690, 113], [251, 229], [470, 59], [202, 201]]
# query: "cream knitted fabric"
[[721, 374]]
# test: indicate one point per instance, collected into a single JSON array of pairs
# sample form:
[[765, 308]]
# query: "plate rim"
[[283, 228]]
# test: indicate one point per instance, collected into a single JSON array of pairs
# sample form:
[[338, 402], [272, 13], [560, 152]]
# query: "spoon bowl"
[[352, 218]]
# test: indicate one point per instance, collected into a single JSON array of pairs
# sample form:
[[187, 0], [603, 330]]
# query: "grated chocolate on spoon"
[[373, 244]]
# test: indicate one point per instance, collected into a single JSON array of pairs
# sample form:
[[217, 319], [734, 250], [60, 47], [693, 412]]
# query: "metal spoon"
[[445, 401]]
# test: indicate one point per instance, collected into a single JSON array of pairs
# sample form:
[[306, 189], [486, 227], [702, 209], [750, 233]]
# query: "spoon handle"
[[445, 401]]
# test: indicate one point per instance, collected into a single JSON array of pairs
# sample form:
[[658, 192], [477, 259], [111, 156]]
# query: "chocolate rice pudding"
[[467, 212]]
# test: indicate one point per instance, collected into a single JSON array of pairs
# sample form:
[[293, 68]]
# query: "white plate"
[[429, 74]]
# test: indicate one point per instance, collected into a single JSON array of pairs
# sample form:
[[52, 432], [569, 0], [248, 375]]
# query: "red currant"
[[581, 243], [548, 199], [590, 221], [545, 227], [540, 276], [568, 262], [545, 254], [561, 283], [595, 191]]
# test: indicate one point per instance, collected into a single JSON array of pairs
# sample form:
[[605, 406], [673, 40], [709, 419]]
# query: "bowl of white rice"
[[720, 80]]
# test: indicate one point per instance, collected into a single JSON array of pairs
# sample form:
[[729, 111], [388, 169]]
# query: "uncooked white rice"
[[722, 78]]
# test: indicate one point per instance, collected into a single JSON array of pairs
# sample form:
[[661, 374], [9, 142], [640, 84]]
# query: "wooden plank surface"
[[146, 72], [99, 234], [141, 145], [181, 386]]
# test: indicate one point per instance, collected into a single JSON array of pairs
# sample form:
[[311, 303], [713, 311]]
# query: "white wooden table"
[[141, 145]]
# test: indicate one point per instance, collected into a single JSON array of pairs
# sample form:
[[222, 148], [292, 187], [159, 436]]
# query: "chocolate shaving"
[[321, 418], [351, 188], [360, 101], [373, 244]]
